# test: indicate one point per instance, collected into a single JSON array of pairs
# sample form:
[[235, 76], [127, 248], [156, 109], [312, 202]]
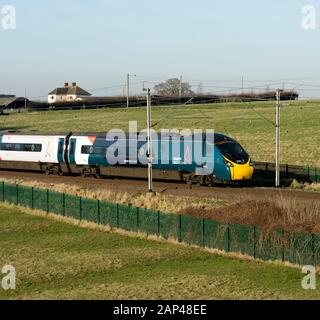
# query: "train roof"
[[216, 137], [32, 133]]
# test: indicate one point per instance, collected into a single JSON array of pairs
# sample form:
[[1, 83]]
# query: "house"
[[69, 93], [10, 102]]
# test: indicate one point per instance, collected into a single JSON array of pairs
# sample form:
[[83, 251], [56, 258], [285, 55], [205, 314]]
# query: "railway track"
[[166, 188]]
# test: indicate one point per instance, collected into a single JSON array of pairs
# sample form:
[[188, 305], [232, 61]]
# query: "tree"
[[171, 88]]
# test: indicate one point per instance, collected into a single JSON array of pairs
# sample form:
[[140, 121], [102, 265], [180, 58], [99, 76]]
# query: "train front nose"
[[242, 171]]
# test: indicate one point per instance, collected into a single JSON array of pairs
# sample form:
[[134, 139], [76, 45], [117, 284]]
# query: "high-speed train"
[[96, 154]]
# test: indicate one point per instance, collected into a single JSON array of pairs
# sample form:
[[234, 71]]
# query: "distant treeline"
[[139, 101]]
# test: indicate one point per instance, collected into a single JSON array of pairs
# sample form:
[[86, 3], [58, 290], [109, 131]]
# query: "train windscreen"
[[234, 152]]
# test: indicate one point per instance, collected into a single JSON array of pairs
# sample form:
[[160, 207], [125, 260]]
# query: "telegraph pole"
[[128, 90], [242, 84], [180, 89], [278, 136], [149, 138], [25, 100]]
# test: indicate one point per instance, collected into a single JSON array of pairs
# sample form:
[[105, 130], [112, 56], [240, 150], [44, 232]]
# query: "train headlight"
[[251, 163], [228, 163]]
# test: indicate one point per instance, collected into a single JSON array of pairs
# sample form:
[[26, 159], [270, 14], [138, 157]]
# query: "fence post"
[[32, 200], [283, 246], [138, 219], [3, 191], [80, 208], [118, 218], [17, 194], [229, 238], [254, 242], [203, 233], [180, 231], [158, 223], [47, 201], [267, 170], [314, 250], [63, 204], [99, 217]]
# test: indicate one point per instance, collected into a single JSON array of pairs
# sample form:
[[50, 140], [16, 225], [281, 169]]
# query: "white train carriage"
[[32, 152]]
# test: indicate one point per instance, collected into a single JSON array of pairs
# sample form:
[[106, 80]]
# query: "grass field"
[[58, 260], [300, 125]]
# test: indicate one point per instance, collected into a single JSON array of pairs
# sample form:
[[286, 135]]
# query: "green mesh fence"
[[242, 239], [108, 214], [72, 207], [314, 174], [10, 192], [128, 218], [40, 200], [169, 226], [25, 196], [316, 249], [149, 221], [298, 248], [56, 203], [216, 235], [2, 191], [266, 171], [192, 230], [269, 245], [90, 210]]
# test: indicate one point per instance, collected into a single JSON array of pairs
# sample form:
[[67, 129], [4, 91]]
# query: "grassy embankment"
[[56, 260]]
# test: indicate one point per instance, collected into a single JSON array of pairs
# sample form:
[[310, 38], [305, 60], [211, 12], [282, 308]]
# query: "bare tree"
[[171, 88]]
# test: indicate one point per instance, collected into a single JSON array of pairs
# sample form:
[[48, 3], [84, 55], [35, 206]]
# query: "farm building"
[[13, 103], [68, 93]]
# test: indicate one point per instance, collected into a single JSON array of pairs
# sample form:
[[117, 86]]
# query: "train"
[[219, 158]]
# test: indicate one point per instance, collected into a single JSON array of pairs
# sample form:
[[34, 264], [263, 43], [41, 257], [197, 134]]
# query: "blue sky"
[[96, 42]]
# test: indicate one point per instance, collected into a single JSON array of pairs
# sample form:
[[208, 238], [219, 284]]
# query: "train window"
[[31, 147], [93, 150], [21, 147], [233, 151], [7, 147], [87, 149]]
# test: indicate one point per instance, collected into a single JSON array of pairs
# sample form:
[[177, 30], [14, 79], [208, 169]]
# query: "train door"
[[61, 150], [72, 151]]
